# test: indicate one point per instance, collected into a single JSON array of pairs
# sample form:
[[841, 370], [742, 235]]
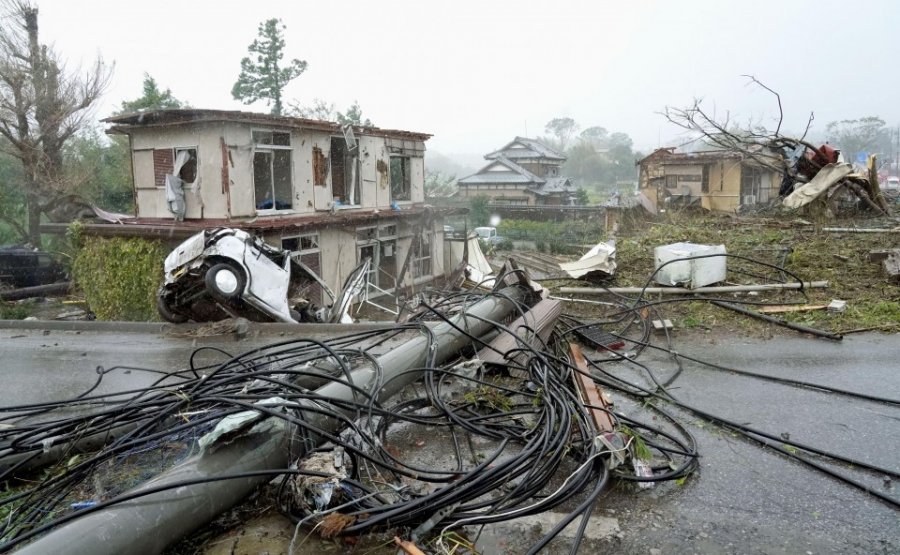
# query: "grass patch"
[[805, 250], [9, 311]]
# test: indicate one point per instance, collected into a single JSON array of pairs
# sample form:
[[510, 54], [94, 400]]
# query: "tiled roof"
[[515, 174], [533, 149]]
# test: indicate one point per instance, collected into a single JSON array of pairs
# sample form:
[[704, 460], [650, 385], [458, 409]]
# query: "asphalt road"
[[745, 498]]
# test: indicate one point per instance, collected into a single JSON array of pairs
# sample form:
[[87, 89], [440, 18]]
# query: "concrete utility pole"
[[150, 523]]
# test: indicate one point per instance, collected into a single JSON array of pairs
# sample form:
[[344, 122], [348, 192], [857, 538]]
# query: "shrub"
[[9, 311], [505, 244], [119, 276]]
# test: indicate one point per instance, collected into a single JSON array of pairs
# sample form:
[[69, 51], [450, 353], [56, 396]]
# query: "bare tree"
[[42, 105]]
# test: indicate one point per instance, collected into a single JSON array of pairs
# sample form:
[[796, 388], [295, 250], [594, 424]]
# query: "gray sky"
[[477, 73]]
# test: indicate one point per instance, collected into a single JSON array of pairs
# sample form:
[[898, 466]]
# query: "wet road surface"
[[745, 498]]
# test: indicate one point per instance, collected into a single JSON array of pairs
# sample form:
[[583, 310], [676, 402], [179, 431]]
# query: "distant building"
[[524, 172], [715, 180]]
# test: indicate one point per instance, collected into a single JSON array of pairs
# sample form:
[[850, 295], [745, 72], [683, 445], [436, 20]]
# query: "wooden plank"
[[591, 394], [781, 308]]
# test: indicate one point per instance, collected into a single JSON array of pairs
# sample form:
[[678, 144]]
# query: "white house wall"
[[201, 199], [236, 199]]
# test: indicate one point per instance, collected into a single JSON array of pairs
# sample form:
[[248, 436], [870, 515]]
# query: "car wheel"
[[224, 282], [166, 312]]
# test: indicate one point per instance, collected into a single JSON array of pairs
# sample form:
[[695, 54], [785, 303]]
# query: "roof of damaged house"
[[164, 118], [111, 224], [529, 148], [668, 155]]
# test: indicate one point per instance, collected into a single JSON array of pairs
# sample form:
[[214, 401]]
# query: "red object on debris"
[[815, 160], [824, 155]]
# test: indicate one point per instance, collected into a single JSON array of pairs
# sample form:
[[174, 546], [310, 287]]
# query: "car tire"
[[166, 312], [224, 282]]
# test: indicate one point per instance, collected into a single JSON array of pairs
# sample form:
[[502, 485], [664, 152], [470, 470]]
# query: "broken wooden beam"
[[782, 308], [591, 394], [861, 229]]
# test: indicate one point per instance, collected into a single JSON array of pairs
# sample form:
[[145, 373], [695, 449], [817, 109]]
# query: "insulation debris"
[[601, 259]]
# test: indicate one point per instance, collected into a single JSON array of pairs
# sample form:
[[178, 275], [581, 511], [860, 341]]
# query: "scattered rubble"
[[517, 418]]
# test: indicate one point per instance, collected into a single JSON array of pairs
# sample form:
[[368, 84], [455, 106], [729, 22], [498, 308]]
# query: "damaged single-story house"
[[332, 195], [716, 180], [524, 172]]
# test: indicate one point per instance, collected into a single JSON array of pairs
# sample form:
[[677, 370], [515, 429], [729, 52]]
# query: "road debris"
[[688, 264], [478, 410], [599, 260]]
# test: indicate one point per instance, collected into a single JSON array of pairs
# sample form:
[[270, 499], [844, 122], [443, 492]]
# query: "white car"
[[488, 234], [228, 272]]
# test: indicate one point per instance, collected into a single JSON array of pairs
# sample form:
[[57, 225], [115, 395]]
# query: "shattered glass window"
[[422, 262], [272, 170], [400, 178], [364, 234]]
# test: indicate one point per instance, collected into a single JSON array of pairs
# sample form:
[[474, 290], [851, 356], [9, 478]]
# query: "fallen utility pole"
[[50, 290], [698, 291], [194, 493]]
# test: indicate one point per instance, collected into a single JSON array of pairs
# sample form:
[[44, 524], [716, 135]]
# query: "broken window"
[[704, 180], [344, 172], [273, 138], [320, 167], [163, 163], [380, 245], [671, 181], [751, 183], [401, 180], [166, 162], [422, 261], [305, 249], [272, 180]]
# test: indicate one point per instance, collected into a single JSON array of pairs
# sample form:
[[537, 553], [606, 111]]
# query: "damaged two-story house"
[[332, 195], [524, 172]]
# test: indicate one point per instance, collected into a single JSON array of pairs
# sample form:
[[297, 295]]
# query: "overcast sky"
[[475, 74]]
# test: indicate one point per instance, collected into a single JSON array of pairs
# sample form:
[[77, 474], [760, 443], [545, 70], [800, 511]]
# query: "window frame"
[[426, 237], [406, 175], [258, 147], [159, 180]]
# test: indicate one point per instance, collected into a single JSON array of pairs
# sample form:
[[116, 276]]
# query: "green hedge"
[[119, 276]]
